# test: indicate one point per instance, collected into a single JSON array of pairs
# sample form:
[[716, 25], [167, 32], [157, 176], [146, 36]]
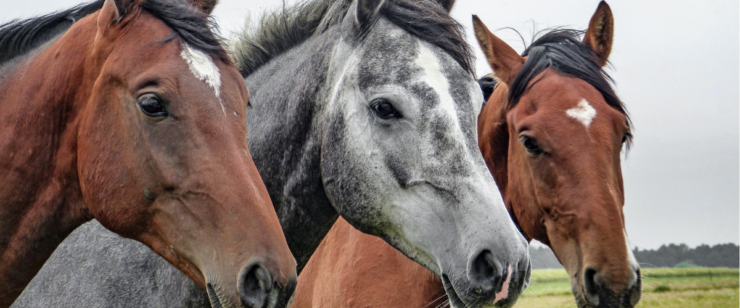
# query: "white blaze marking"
[[202, 66], [433, 76], [583, 112]]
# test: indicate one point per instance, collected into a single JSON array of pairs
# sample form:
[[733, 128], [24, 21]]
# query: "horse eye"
[[151, 105], [626, 136], [531, 145], [384, 109]]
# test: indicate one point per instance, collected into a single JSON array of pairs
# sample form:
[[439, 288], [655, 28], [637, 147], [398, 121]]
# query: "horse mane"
[[563, 51], [283, 29], [18, 37], [193, 26]]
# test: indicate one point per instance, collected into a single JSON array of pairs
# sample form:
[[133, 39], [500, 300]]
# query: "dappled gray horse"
[[365, 109]]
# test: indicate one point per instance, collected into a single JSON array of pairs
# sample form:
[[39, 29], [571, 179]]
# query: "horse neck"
[[40, 196], [288, 155]]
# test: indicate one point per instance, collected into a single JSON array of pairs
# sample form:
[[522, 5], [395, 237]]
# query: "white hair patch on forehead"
[[583, 112], [433, 76], [202, 66]]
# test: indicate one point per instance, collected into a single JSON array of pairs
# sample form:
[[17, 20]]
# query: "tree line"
[[671, 255]]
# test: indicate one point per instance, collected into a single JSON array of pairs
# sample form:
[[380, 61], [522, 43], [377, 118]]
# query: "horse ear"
[[113, 11], [600, 33], [503, 59], [366, 10], [447, 4], [109, 15], [205, 6]]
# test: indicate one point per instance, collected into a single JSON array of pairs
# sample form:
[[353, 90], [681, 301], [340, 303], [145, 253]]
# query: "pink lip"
[[505, 288]]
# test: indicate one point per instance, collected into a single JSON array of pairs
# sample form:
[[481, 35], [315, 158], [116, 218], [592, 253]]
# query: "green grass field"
[[662, 287]]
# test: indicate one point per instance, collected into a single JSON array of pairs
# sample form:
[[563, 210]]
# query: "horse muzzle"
[[490, 282], [257, 287], [599, 294]]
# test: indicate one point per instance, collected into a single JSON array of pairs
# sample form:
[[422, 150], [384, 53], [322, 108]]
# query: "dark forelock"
[[286, 28], [562, 50], [192, 26]]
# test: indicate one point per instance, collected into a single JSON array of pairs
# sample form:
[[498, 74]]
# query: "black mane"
[[191, 25], [18, 37], [286, 28], [563, 51]]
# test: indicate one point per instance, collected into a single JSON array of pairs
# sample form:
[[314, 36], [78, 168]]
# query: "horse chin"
[[213, 296], [272, 298], [283, 299], [581, 301], [626, 299], [275, 299], [455, 301]]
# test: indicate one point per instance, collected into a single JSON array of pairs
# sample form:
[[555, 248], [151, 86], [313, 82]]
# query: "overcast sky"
[[676, 68]]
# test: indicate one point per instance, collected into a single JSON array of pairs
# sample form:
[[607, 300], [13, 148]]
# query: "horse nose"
[[254, 285], [593, 284], [484, 273]]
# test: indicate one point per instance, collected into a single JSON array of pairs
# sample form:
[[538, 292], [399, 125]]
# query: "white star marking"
[[202, 66], [583, 112]]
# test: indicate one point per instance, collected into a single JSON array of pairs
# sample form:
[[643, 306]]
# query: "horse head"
[[552, 134]]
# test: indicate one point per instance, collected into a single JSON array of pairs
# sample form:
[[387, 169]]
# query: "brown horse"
[[552, 134], [134, 116]]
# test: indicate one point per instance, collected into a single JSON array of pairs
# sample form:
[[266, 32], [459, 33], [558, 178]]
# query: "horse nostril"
[[483, 271], [254, 284], [592, 289]]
